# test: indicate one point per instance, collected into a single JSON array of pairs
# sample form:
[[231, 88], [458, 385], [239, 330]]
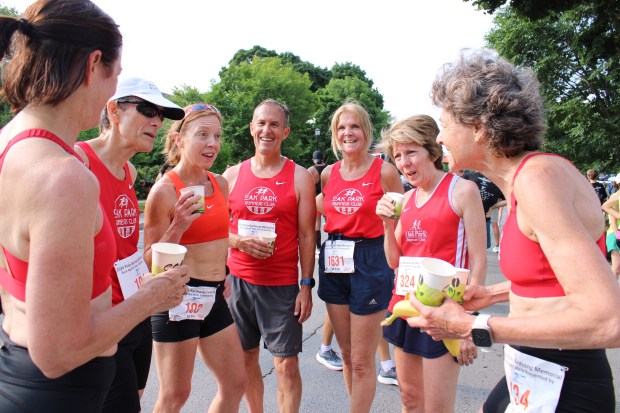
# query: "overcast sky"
[[399, 43]]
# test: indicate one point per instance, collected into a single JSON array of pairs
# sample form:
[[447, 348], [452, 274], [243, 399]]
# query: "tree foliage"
[[242, 86], [579, 75], [574, 48]]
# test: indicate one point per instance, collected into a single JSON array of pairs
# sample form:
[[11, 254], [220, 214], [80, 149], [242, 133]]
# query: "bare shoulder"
[[545, 176], [162, 195], [231, 173], [222, 183], [302, 176], [466, 187], [389, 169], [78, 149]]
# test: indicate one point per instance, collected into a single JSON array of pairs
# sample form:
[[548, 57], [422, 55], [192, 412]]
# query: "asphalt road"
[[324, 390]]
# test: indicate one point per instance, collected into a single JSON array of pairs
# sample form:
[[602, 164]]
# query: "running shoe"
[[329, 359], [388, 377]]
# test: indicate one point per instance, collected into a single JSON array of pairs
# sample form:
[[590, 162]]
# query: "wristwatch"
[[307, 281], [480, 331]]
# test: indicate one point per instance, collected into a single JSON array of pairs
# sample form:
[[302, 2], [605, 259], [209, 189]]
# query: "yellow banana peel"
[[405, 309]]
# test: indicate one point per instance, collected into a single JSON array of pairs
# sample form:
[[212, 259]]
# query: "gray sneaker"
[[329, 359], [388, 377]]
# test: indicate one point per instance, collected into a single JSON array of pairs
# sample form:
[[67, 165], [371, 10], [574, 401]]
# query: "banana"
[[453, 346], [405, 309], [401, 309]]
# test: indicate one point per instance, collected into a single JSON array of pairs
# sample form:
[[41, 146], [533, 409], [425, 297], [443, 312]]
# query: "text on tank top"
[[350, 206], [433, 229], [120, 204], [270, 200]]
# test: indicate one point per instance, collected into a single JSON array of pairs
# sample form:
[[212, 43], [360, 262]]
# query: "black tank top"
[[319, 169]]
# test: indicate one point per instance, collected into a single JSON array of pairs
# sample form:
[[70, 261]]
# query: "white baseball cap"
[[146, 90]]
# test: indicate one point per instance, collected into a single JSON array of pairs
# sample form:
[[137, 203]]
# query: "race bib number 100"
[[339, 257]]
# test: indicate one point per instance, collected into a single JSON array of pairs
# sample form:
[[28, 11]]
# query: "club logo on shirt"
[[416, 234], [260, 200], [125, 216], [348, 201]]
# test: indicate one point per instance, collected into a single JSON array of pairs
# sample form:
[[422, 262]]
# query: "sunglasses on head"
[[198, 107], [144, 108]]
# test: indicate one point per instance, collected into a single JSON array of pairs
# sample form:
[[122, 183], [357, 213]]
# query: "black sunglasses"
[[144, 108]]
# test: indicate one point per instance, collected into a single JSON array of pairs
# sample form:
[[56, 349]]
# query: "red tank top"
[[522, 260], [350, 206], [104, 247], [266, 200], [120, 204], [214, 222], [433, 229]]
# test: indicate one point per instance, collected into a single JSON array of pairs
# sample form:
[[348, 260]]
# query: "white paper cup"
[[268, 237], [458, 284], [398, 203], [196, 190], [435, 278], [165, 256]]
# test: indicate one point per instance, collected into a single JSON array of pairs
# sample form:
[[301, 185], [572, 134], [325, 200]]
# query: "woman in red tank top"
[[57, 244], [442, 217], [552, 247], [356, 301], [202, 322]]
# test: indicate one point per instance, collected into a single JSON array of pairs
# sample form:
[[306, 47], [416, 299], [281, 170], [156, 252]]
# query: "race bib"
[[408, 273], [129, 272], [247, 228], [534, 385], [196, 304], [339, 257]]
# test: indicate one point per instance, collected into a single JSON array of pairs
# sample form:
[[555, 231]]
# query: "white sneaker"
[[495, 249]]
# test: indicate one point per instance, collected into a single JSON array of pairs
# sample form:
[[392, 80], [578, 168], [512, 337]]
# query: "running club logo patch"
[[416, 233], [125, 216], [260, 200], [348, 201]]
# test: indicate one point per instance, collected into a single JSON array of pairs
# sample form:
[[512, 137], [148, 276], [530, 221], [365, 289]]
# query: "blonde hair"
[[171, 150], [351, 106]]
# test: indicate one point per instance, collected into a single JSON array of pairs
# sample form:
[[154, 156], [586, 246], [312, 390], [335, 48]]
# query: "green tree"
[[579, 75], [336, 93], [242, 86]]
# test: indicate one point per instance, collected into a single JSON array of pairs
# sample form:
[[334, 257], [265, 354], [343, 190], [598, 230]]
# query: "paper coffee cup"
[[435, 278], [398, 203], [268, 237], [196, 190], [165, 256], [458, 284]]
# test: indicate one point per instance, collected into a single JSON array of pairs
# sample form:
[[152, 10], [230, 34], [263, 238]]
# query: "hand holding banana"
[[405, 309]]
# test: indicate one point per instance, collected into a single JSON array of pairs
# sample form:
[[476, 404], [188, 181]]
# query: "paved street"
[[324, 390]]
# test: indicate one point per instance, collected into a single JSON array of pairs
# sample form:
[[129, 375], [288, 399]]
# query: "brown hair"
[[50, 45], [420, 129], [484, 90]]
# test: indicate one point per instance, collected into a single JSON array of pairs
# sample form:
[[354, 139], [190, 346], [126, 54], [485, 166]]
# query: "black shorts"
[[24, 388], [166, 331], [588, 384], [133, 362], [412, 340], [367, 290]]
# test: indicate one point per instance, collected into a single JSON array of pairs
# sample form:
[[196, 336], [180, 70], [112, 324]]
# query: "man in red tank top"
[[270, 193]]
